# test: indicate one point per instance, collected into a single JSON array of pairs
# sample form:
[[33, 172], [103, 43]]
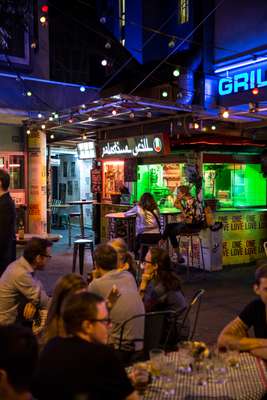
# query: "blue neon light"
[[240, 64], [242, 81], [29, 78]]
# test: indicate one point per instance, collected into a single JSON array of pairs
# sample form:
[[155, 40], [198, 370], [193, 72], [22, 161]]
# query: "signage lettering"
[[133, 147], [242, 82]]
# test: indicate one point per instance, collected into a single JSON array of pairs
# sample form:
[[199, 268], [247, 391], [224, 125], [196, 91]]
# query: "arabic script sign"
[[134, 147]]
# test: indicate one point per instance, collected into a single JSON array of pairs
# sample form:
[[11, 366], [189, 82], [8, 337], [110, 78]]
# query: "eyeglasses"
[[46, 255], [105, 321]]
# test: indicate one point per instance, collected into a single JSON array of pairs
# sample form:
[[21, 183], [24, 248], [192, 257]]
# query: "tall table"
[[81, 203], [28, 236], [121, 226]]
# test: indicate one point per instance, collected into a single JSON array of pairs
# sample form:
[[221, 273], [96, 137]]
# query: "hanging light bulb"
[[52, 136], [50, 118], [164, 93], [84, 136], [70, 120], [43, 20], [28, 131], [108, 46], [83, 106], [82, 89], [196, 125], [176, 72], [39, 115], [213, 127], [149, 114], [90, 119], [114, 112], [45, 8], [225, 113], [43, 126], [56, 115], [131, 115], [104, 62], [29, 93], [255, 91]]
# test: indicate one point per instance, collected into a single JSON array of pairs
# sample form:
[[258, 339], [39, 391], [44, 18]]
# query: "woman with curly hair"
[[147, 222]]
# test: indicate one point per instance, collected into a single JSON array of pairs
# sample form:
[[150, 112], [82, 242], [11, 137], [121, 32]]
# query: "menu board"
[[96, 180]]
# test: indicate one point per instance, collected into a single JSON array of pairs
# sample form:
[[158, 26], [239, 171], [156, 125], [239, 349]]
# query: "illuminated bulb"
[[33, 45], [131, 115], [52, 136], [196, 125], [44, 8], [107, 46], [51, 118], [164, 94], [255, 91], [225, 114], [176, 72], [29, 93], [149, 114], [82, 89], [90, 119], [213, 127], [83, 106], [43, 126], [171, 43], [204, 129], [70, 120], [104, 63], [43, 19], [114, 112], [84, 137], [28, 131], [56, 115], [39, 115]]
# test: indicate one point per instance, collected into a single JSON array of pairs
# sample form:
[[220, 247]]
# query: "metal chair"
[[79, 247], [153, 332], [193, 305]]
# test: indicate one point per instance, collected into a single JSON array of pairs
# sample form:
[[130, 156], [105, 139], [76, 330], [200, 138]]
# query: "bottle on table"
[[21, 230]]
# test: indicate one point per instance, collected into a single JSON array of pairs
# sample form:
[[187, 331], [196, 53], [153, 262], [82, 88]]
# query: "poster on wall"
[[37, 183], [96, 180]]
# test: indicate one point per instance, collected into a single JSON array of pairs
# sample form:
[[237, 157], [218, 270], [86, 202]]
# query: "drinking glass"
[[141, 376], [185, 357], [232, 358], [219, 368], [156, 361], [168, 377]]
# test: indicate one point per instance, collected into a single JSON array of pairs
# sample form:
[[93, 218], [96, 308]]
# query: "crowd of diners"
[[68, 346]]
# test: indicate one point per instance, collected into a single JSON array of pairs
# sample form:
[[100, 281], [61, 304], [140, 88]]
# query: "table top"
[[29, 236], [77, 202], [248, 382], [119, 215], [60, 206]]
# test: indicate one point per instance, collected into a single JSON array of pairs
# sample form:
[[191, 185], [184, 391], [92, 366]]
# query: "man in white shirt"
[[18, 283]]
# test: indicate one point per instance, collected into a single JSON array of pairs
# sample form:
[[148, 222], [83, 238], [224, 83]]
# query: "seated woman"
[[125, 258], [65, 285], [147, 222], [161, 290], [191, 217]]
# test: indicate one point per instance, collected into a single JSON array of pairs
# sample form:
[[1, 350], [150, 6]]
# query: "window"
[[183, 11], [72, 169]]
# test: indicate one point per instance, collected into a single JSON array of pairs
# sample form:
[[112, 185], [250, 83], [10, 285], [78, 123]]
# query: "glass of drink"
[[168, 377], [156, 361], [140, 375], [186, 358]]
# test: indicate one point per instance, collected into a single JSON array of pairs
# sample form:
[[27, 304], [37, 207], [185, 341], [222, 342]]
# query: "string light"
[[52, 136], [83, 106], [43, 126], [43, 20], [225, 113], [56, 115], [164, 94], [149, 114], [176, 72], [131, 115], [90, 119], [255, 91], [29, 93], [196, 125], [213, 127], [84, 136], [45, 8], [82, 89], [28, 131], [50, 118], [70, 120], [114, 112], [39, 115], [104, 63]]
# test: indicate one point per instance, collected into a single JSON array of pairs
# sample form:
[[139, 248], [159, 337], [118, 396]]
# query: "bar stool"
[[70, 216], [190, 234], [80, 245]]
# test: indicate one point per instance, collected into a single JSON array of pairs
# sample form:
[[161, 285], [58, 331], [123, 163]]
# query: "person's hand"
[[140, 376], [29, 311], [113, 296]]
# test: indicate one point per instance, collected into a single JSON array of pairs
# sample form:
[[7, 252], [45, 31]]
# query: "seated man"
[[18, 360], [127, 305], [81, 365], [235, 334], [18, 282]]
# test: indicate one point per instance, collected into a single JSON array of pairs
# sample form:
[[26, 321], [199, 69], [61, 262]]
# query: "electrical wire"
[[177, 47]]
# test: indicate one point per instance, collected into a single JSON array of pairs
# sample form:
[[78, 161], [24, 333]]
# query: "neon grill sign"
[[133, 147], [243, 81]]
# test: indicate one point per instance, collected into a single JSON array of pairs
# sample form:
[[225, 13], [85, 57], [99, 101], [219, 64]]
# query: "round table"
[[29, 236]]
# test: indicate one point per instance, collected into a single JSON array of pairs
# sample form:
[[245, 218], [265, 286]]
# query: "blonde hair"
[[124, 256]]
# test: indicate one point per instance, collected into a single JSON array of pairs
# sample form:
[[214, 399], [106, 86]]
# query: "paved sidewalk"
[[227, 291]]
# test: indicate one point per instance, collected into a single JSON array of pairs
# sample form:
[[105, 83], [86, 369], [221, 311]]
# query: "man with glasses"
[[19, 285], [81, 365]]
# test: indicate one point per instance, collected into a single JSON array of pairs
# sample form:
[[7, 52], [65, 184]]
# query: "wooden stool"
[[79, 246], [190, 234]]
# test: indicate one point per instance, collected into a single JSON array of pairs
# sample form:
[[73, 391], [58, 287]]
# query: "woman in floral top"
[[191, 216]]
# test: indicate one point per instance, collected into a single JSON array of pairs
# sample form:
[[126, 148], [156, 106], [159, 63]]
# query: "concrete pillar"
[[37, 182]]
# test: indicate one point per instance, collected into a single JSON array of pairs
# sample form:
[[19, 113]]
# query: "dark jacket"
[[7, 231]]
